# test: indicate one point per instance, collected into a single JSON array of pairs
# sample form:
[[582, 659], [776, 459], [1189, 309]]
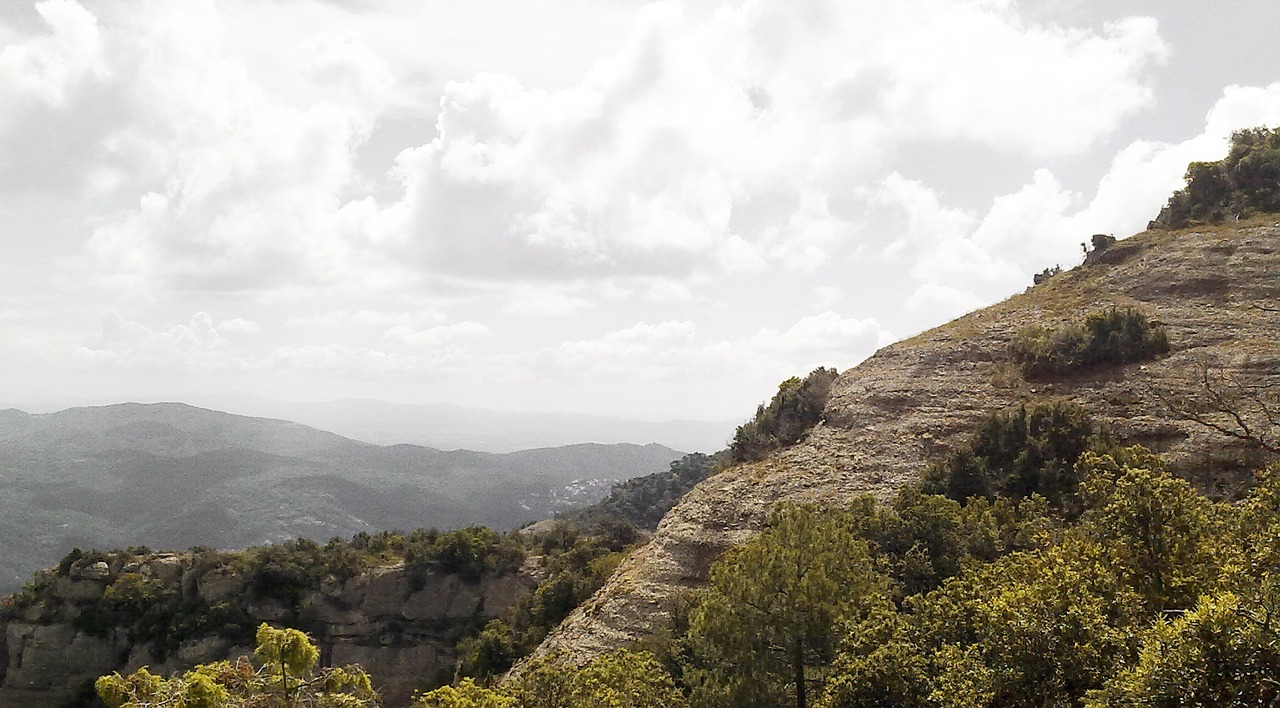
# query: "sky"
[[653, 210]]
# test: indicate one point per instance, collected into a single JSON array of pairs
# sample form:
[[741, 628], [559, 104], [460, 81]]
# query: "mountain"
[[170, 475], [449, 427], [1214, 290]]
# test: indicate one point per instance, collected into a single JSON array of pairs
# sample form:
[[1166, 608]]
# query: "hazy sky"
[[654, 210]]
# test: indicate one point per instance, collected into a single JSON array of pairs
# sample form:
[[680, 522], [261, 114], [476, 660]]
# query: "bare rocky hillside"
[[1216, 290]]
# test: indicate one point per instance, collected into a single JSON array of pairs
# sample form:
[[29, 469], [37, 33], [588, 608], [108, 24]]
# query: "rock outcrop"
[[399, 626], [913, 401]]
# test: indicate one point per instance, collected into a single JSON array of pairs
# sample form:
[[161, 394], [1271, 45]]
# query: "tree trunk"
[[798, 665]]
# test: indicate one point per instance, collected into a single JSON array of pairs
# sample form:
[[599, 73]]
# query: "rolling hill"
[[170, 475]]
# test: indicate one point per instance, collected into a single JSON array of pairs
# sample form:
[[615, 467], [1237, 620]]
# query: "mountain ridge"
[[914, 401], [172, 475]]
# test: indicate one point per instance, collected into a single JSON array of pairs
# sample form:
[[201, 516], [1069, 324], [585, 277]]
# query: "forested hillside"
[[174, 476]]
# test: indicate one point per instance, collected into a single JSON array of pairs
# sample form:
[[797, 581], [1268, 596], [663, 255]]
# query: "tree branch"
[[1239, 406]]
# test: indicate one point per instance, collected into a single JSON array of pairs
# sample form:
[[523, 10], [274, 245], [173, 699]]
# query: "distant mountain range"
[[449, 427], [170, 475]]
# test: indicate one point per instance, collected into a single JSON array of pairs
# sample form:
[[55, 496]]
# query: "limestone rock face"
[[43, 657], [913, 401], [400, 629]]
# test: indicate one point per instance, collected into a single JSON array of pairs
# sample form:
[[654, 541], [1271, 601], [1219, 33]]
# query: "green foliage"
[[1245, 182], [286, 571], [878, 665], [575, 564], [465, 694], [622, 679], [285, 676], [921, 540], [767, 628], [1224, 652], [1028, 450], [1158, 528], [643, 501], [1106, 338], [794, 409]]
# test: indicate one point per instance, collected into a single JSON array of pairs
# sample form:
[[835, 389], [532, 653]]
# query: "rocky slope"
[[914, 400], [401, 629]]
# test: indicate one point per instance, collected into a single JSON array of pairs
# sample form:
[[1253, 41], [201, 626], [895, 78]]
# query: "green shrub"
[[1245, 182], [1107, 338], [1029, 450], [794, 409]]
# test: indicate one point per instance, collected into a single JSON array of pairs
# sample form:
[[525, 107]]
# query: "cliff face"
[[400, 628], [913, 401]]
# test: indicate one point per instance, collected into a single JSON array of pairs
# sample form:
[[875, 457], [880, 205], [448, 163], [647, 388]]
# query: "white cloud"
[[1144, 173], [942, 302], [198, 343], [344, 319], [538, 301], [45, 68], [827, 334], [239, 325], [436, 336], [226, 187], [641, 168]]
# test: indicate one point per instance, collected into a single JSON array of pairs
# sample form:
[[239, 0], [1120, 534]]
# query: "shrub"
[[1107, 338], [1245, 182], [1029, 450], [794, 409]]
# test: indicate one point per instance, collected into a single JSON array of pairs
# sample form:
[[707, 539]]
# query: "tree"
[[466, 694], [770, 620], [622, 679], [1158, 529], [1029, 449], [1225, 651], [793, 410], [285, 676], [1243, 403]]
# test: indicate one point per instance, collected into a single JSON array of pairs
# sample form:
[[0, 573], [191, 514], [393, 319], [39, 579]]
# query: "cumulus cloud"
[[200, 342], [45, 68], [226, 185], [727, 146], [827, 333], [760, 108], [961, 260], [713, 141], [436, 336]]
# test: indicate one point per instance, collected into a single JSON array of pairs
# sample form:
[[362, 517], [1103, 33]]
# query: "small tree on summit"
[[1245, 182], [794, 409]]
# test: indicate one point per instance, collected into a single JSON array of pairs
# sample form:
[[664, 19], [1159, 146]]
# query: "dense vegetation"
[[1039, 564], [794, 409], [1106, 338], [575, 564], [1245, 182], [1014, 454], [643, 501], [166, 613]]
